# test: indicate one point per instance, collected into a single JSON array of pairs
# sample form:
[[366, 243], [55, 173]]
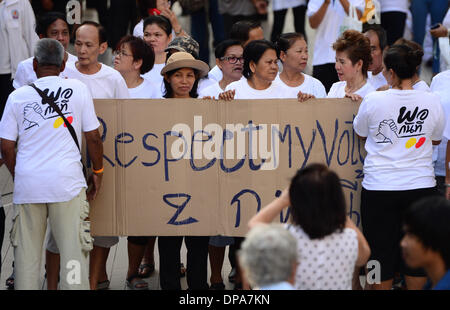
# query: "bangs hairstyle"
[[428, 219], [241, 29], [253, 52], [357, 47], [169, 91], [222, 47], [162, 22], [402, 60], [102, 36], [44, 21], [286, 40], [418, 50], [140, 50], [317, 201]]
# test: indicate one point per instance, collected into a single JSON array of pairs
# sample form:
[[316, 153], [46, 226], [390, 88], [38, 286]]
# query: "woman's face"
[[232, 63], [157, 38], [345, 69], [181, 82], [296, 56], [267, 68], [123, 61]]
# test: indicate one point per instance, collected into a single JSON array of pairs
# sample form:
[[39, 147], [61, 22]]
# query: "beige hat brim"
[[199, 65]]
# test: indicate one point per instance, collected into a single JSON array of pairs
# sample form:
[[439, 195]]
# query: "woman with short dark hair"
[[399, 125], [330, 245]]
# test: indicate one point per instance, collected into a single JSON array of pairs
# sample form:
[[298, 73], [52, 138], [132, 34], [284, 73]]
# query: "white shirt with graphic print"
[[48, 167], [400, 126]]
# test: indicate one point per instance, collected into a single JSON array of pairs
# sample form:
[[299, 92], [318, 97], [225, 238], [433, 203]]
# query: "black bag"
[[51, 102], [192, 6]]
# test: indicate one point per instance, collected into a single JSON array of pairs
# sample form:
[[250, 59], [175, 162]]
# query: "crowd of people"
[[401, 119]]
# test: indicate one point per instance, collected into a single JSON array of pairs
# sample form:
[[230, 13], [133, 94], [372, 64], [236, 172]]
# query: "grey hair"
[[268, 254], [49, 52]]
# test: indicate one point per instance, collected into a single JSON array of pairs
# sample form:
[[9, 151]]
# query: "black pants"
[[2, 232], [121, 15], [229, 20], [394, 24], [197, 262], [279, 17], [5, 89], [326, 74]]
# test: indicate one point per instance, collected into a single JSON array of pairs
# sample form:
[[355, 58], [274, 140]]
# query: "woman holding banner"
[[400, 125], [181, 75], [352, 61], [293, 51]]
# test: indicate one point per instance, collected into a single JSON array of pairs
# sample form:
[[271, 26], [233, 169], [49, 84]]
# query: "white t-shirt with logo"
[[400, 126], [328, 30], [327, 263], [421, 85], [377, 80], [440, 86], [144, 91], [310, 86], [25, 74], [337, 90], [394, 6], [211, 91], [245, 91], [107, 83], [48, 167], [156, 79]]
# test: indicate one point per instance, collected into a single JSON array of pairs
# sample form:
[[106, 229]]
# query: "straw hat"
[[185, 60]]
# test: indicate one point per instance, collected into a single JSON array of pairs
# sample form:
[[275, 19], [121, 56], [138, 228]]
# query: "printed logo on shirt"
[[409, 126], [34, 114], [15, 14]]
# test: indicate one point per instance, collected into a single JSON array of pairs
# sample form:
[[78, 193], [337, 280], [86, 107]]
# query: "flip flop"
[[142, 267], [138, 284], [104, 285]]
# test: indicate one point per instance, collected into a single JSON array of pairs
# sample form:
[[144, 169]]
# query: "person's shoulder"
[[236, 84], [109, 71], [441, 77], [27, 62]]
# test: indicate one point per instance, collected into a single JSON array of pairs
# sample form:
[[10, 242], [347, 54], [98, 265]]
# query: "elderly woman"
[[353, 58], [181, 75]]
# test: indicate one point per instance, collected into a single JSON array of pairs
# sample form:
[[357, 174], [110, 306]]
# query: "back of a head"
[[102, 36], [45, 20], [428, 219], [317, 201], [402, 60], [379, 31], [268, 254], [418, 50], [241, 29], [253, 51], [222, 47], [49, 52]]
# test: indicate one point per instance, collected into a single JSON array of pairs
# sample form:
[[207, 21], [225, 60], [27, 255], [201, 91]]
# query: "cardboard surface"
[[148, 190]]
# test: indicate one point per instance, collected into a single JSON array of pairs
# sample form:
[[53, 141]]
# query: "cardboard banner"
[[203, 167]]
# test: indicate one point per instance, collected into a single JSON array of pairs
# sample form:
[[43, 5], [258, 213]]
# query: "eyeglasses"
[[233, 59], [121, 53]]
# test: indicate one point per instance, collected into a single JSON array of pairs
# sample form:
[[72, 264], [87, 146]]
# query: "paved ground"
[[118, 261]]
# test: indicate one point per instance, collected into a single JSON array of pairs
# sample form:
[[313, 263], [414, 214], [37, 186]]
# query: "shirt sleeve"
[[313, 7], [29, 26], [361, 122], [20, 77], [9, 128], [320, 91], [89, 118], [440, 124], [121, 89]]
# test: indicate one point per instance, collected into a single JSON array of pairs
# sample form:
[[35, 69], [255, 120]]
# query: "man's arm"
[[95, 149], [316, 18], [447, 171], [9, 154]]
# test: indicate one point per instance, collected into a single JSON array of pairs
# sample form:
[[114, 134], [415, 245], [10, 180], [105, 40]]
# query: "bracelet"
[[98, 171], [179, 32]]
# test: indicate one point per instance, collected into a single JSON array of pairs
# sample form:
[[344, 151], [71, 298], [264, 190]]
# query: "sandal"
[[10, 282], [136, 283], [150, 269], [104, 285], [217, 286], [182, 270]]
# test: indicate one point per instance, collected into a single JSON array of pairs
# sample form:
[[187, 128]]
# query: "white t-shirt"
[[421, 85], [400, 126], [107, 83], [310, 86], [394, 5], [337, 90], [156, 79], [25, 74], [377, 81], [245, 91], [216, 74], [144, 91], [48, 167], [211, 91], [440, 86], [327, 263], [286, 4], [205, 83], [328, 30]]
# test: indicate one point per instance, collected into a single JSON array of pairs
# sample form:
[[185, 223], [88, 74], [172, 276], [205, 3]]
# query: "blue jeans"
[[199, 28], [420, 10]]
